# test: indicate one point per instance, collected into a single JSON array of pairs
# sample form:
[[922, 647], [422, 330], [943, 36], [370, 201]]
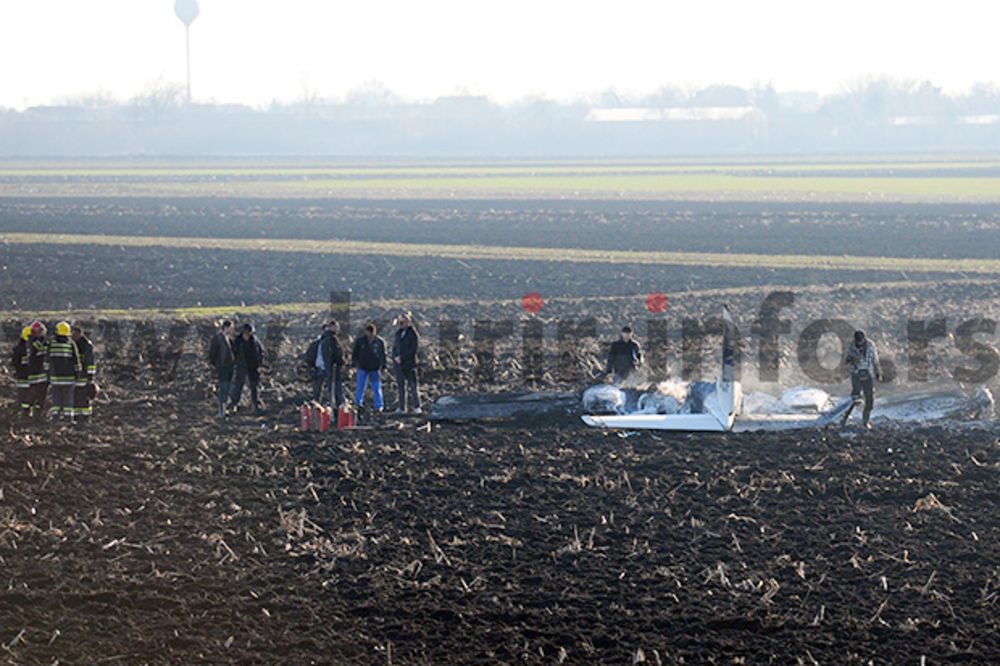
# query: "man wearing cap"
[[249, 356], [862, 358], [19, 362], [86, 389], [64, 367], [624, 356]]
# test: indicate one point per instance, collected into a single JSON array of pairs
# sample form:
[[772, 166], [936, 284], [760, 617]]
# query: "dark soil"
[[893, 230], [160, 535]]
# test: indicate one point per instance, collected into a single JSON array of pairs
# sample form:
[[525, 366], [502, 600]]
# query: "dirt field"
[[161, 535]]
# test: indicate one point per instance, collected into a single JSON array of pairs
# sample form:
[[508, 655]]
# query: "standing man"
[[249, 356], [38, 370], [220, 357], [624, 357], [329, 362], [85, 389], [64, 367], [862, 358], [314, 364], [19, 362], [368, 356], [405, 346]]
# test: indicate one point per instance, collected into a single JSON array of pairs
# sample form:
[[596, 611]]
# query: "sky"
[[256, 52]]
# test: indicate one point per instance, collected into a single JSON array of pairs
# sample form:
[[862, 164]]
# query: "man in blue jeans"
[[368, 356]]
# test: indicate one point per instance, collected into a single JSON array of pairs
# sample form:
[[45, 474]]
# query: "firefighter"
[[64, 367], [85, 389], [38, 370], [19, 361]]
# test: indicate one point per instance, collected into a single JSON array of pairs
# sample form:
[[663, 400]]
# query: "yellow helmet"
[[25, 332], [62, 328]]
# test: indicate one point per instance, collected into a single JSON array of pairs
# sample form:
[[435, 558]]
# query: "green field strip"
[[709, 186], [521, 253], [640, 184]]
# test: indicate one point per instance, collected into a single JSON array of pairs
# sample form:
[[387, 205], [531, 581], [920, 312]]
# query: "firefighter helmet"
[[63, 328], [38, 329], [25, 332]]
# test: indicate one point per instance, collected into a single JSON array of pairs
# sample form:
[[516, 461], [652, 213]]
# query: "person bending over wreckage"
[[862, 358]]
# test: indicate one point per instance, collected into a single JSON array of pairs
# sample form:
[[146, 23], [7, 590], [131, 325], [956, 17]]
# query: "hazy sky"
[[256, 51]]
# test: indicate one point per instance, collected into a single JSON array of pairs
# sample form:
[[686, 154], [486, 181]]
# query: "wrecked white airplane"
[[716, 407]]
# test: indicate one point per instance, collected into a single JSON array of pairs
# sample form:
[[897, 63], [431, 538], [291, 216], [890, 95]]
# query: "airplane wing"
[[686, 422]]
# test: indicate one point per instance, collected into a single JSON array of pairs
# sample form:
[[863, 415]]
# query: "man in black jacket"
[[405, 346], [624, 356], [220, 357], [249, 356], [329, 361], [368, 356]]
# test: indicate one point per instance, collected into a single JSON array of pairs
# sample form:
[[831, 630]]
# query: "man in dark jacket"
[[624, 356], [19, 363], [221, 357], [329, 364], [249, 356], [38, 370], [368, 356], [85, 389], [64, 367], [405, 346]]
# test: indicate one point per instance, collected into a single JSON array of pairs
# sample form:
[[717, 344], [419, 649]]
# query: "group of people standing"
[[237, 360], [63, 367], [326, 361]]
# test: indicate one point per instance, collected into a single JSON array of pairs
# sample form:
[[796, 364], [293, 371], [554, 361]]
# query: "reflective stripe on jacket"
[[64, 361]]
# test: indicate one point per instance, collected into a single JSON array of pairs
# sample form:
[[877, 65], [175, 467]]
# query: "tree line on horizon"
[[872, 115]]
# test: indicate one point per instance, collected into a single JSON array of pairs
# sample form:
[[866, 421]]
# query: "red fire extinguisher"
[[325, 416], [305, 417]]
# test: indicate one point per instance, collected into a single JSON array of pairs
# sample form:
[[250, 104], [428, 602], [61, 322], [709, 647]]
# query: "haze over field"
[[255, 52]]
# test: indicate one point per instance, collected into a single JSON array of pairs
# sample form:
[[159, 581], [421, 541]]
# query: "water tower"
[[187, 12]]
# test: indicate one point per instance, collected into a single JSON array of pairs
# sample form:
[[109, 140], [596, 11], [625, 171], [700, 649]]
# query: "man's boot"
[[864, 420]]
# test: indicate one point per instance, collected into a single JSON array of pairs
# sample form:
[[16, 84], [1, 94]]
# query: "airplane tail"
[[728, 393]]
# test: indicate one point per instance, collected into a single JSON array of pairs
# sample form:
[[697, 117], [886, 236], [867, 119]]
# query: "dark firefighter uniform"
[[38, 371], [19, 362], [64, 366], [85, 389]]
